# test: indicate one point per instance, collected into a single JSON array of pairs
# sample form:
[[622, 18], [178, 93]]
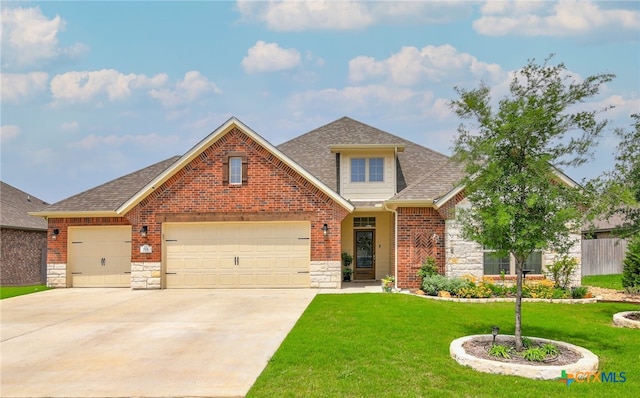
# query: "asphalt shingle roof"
[[312, 151], [422, 172], [14, 206], [109, 196]]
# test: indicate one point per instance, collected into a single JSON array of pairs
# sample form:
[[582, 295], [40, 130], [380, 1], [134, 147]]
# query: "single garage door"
[[100, 256], [237, 254]]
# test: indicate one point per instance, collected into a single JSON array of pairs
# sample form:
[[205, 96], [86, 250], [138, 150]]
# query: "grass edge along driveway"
[[397, 345], [13, 291]]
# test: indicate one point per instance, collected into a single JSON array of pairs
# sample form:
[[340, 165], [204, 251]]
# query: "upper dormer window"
[[367, 169]]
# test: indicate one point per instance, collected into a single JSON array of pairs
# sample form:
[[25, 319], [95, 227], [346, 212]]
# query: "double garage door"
[[237, 254]]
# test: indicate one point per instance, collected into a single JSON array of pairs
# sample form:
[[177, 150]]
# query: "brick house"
[[237, 211], [23, 238]]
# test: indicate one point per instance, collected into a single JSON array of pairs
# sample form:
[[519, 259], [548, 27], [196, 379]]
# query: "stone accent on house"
[[146, 275], [462, 256], [325, 274], [575, 251], [21, 262], [57, 275]]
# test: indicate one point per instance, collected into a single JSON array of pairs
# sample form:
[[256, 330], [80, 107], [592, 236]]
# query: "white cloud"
[[29, 38], [347, 14], [148, 141], [411, 65], [270, 57], [9, 132], [192, 87], [70, 126], [563, 18], [356, 97], [85, 86], [17, 88]]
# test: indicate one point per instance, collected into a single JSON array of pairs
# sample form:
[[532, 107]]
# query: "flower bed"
[[469, 287]]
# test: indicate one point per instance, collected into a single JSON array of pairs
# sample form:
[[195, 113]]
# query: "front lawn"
[[397, 345], [12, 291], [612, 281]]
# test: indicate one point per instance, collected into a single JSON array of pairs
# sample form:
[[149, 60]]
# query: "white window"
[[358, 171], [376, 169], [361, 168], [235, 170]]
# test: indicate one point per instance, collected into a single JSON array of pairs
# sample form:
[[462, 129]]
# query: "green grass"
[[612, 281], [396, 345], [12, 291]]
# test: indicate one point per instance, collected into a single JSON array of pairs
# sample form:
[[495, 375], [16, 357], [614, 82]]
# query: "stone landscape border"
[[588, 363], [510, 300], [620, 319]]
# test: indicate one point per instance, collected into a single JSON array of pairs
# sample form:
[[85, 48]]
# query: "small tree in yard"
[[520, 202], [631, 271]]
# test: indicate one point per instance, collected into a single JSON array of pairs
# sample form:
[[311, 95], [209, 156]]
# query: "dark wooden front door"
[[365, 254]]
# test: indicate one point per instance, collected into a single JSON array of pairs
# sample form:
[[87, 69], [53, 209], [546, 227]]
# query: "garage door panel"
[[100, 256], [247, 254]]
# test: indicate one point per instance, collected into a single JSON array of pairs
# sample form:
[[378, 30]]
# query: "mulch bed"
[[480, 349], [634, 316]]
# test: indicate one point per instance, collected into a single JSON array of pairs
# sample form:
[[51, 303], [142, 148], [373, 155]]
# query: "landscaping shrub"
[[428, 268], [560, 271], [433, 284], [476, 289], [579, 292], [539, 289], [631, 270]]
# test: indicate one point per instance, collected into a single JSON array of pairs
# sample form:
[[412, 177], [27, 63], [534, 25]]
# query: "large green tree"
[[620, 188], [520, 201]]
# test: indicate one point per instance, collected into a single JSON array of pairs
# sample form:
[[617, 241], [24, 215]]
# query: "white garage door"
[[100, 256], [237, 254]]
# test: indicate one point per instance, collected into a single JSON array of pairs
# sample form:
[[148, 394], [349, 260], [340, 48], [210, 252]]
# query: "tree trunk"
[[519, 279]]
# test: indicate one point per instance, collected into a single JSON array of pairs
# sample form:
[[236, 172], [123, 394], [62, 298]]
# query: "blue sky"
[[92, 91]]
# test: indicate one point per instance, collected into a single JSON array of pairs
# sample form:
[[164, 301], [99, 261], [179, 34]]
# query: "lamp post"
[[494, 332]]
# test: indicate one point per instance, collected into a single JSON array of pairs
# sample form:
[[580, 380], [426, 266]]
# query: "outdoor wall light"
[[494, 332], [325, 230], [143, 231], [55, 233]]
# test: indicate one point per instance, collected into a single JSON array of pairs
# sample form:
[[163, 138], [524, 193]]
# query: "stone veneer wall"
[[466, 257], [325, 274], [462, 256], [57, 275], [146, 275]]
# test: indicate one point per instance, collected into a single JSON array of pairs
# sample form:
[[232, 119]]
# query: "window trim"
[[512, 263], [367, 169], [226, 165]]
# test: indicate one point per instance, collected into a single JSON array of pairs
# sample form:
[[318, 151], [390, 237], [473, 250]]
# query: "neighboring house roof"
[[119, 196], [15, 206], [604, 224], [313, 151]]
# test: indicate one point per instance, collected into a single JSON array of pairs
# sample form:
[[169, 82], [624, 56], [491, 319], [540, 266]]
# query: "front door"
[[365, 258]]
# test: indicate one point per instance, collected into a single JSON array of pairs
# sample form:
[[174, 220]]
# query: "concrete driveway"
[[125, 343]]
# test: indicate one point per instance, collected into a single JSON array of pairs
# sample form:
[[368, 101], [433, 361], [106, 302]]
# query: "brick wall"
[[273, 191], [420, 234], [21, 257]]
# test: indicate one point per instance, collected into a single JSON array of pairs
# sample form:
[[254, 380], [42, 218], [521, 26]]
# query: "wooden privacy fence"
[[603, 256]]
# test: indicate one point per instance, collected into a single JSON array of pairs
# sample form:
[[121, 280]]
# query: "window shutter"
[[245, 168], [225, 169]]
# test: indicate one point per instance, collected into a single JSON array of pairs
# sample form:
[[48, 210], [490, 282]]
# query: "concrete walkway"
[[125, 343]]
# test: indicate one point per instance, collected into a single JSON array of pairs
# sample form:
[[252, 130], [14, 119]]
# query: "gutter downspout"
[[395, 246]]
